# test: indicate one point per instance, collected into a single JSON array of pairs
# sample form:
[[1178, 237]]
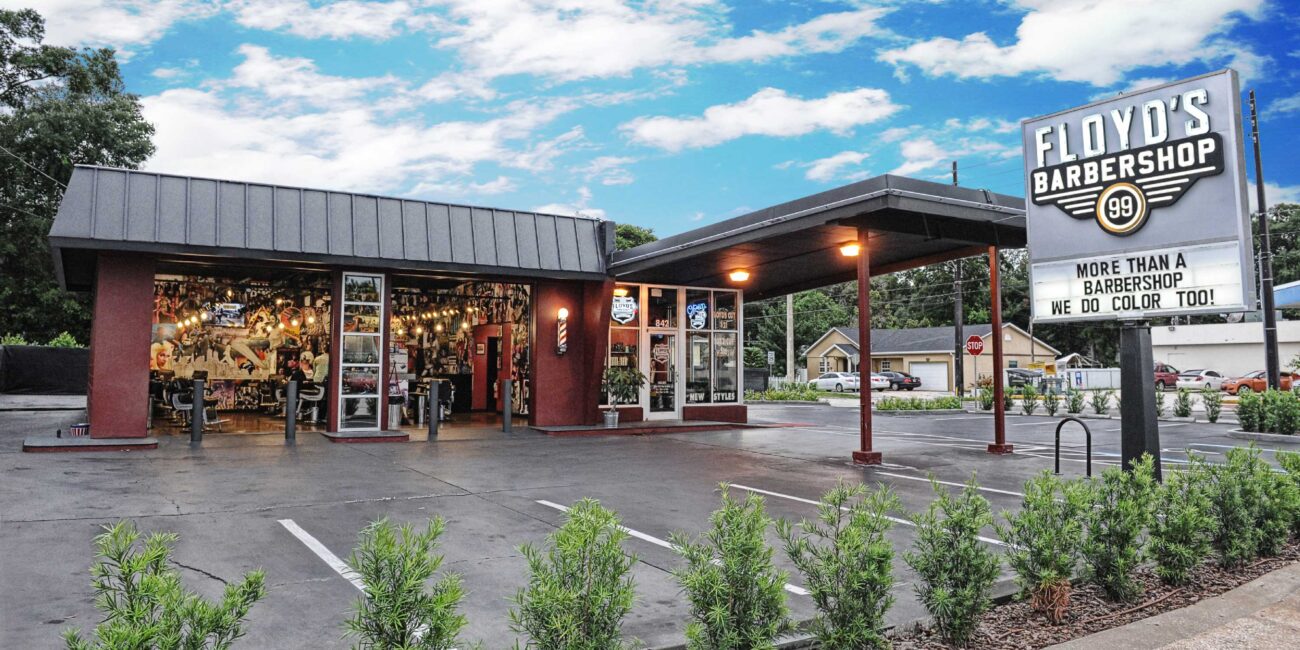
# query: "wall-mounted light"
[[562, 331], [620, 291], [850, 249], [739, 275]]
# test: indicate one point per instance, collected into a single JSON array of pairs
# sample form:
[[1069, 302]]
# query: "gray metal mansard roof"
[[122, 210]]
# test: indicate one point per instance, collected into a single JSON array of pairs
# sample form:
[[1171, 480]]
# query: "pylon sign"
[[1137, 207]]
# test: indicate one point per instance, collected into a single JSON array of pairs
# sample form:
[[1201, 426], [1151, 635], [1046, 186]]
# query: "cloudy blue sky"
[[665, 113]]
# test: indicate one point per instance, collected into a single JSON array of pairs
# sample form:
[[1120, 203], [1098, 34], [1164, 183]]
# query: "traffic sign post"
[[975, 347]]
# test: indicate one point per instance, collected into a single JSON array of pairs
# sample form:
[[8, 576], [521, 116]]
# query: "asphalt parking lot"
[[242, 502]]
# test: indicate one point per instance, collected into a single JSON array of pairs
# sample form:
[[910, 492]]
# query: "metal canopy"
[[795, 246], [107, 209]]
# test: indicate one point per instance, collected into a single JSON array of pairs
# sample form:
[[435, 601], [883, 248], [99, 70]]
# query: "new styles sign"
[[1137, 205]]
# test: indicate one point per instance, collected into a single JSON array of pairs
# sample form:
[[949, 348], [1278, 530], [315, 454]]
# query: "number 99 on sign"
[[1121, 209]]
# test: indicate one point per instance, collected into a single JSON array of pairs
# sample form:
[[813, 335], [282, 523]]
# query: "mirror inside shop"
[[245, 337]]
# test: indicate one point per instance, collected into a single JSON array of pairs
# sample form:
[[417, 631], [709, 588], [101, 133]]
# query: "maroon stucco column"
[[120, 334], [566, 387], [864, 455], [999, 445]]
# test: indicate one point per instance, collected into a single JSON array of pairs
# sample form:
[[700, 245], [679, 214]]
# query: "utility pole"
[[958, 319], [789, 338], [1271, 363]]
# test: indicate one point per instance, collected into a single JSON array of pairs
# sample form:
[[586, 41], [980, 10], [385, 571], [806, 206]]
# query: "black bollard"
[[196, 413], [507, 409], [435, 411], [291, 411]]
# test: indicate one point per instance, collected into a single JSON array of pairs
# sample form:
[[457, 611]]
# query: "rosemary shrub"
[[735, 591], [398, 611], [1045, 538], [846, 562], [1180, 531], [145, 605], [1120, 511], [580, 588], [955, 569]]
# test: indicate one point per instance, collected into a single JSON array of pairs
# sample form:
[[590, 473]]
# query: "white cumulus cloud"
[[336, 20], [122, 24], [845, 165], [1091, 41], [770, 112]]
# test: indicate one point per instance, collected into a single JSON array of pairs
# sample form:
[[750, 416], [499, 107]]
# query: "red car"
[[1166, 376]]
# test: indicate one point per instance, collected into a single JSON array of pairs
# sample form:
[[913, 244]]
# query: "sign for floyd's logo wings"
[[1137, 205]]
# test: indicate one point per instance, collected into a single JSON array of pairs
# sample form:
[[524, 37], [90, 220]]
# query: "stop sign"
[[974, 345]]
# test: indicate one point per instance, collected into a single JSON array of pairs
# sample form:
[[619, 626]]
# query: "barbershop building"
[[368, 301]]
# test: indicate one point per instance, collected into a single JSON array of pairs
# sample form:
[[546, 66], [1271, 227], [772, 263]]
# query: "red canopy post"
[[999, 445], [864, 455]]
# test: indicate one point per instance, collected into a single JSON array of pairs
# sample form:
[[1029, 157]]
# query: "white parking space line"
[[926, 480], [972, 416], [794, 589], [1030, 424], [323, 553], [896, 520]]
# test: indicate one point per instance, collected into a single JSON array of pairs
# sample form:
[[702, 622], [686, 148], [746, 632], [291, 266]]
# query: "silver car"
[[1199, 378], [836, 381]]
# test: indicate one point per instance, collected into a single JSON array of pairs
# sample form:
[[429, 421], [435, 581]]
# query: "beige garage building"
[[926, 352]]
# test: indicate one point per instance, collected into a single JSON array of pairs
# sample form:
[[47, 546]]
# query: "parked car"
[[1200, 378], [1166, 376], [836, 381], [901, 380], [879, 381], [1256, 382], [1019, 377]]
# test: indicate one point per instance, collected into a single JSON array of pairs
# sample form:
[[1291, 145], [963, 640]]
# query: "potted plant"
[[621, 386]]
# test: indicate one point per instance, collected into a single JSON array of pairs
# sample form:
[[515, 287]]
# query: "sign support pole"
[[999, 445], [1139, 428], [864, 455], [959, 337], [1271, 362]]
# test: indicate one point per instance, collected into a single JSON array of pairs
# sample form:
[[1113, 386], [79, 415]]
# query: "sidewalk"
[[1261, 614], [42, 402]]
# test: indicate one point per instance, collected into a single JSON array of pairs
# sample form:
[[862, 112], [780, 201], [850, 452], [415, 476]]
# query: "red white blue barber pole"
[[562, 331]]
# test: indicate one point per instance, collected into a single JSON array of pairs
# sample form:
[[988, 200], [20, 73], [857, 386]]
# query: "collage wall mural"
[[240, 333]]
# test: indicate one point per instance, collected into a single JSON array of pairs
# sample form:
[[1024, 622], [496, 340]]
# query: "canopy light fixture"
[[620, 291], [850, 249], [739, 275]]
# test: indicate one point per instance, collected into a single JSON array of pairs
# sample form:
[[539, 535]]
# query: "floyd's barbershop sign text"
[[1137, 205], [1150, 284]]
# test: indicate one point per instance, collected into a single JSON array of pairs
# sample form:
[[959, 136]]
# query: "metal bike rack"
[[1087, 435]]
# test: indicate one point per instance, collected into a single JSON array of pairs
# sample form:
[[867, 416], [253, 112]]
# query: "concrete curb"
[[918, 411], [1264, 437], [1257, 614]]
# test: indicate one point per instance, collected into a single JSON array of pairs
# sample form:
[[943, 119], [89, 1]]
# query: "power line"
[[32, 167]]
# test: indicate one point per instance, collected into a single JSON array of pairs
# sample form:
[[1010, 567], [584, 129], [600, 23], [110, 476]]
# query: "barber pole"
[[562, 332]]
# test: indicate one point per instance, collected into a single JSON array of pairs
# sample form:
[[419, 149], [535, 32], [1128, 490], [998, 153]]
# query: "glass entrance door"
[[664, 402]]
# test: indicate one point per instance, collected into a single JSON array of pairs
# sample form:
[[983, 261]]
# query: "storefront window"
[[725, 367], [697, 310], [362, 340], [625, 310], [663, 307], [697, 378], [724, 310], [625, 333]]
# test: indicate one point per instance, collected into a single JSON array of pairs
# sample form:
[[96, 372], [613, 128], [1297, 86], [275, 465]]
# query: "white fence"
[[1086, 378]]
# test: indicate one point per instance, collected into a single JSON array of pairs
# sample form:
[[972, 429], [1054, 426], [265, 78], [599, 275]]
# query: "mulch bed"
[[1014, 626]]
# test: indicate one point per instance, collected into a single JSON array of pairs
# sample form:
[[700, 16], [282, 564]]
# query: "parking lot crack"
[[200, 571]]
